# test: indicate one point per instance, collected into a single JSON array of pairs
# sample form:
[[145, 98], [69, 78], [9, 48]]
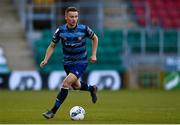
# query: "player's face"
[[71, 18]]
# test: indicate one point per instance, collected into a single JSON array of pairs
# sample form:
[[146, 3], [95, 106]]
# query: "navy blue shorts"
[[76, 69]]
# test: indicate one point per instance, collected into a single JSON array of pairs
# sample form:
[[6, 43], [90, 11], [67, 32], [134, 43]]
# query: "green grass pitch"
[[123, 106]]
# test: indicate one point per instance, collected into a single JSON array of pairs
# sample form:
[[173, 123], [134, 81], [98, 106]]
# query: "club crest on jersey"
[[79, 38]]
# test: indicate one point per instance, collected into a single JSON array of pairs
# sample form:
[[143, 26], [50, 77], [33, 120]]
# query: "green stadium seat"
[[134, 41], [42, 42], [152, 42], [170, 41], [47, 33]]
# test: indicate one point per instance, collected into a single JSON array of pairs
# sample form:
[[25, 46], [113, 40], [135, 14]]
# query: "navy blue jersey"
[[73, 42]]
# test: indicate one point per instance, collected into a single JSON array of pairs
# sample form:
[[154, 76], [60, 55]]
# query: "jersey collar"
[[71, 28]]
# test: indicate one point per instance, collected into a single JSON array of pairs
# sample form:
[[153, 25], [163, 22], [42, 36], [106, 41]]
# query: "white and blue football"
[[77, 113]]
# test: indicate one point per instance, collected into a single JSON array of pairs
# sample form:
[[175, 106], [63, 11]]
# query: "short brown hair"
[[74, 9]]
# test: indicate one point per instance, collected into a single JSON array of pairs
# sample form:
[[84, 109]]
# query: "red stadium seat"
[[165, 11]]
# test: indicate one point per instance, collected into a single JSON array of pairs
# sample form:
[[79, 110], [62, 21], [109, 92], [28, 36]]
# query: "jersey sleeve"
[[90, 32], [56, 36]]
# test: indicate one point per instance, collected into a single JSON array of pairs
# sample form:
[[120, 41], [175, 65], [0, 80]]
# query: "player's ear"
[[65, 15]]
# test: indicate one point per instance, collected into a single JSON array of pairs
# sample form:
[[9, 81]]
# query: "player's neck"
[[71, 26]]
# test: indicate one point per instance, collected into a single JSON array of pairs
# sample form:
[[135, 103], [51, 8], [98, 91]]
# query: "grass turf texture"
[[124, 106]]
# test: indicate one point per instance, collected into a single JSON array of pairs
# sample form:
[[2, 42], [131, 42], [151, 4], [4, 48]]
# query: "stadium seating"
[[152, 41], [109, 51], [164, 13], [139, 9], [170, 41], [111, 45], [134, 41]]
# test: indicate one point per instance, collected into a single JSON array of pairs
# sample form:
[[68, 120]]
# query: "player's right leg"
[[71, 78], [80, 85]]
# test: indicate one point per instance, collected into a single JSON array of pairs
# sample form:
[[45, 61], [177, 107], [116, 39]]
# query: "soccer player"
[[72, 36]]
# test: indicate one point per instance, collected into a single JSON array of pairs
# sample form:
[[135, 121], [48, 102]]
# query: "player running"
[[72, 36]]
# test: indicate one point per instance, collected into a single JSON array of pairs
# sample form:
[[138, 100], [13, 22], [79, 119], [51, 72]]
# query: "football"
[[77, 113]]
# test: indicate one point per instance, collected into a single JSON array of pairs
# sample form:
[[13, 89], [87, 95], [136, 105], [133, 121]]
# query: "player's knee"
[[65, 84], [75, 86]]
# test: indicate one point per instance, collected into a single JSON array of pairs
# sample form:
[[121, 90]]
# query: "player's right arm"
[[50, 48], [48, 54]]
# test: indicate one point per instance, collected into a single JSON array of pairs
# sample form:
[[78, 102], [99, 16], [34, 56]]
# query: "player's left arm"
[[93, 58]]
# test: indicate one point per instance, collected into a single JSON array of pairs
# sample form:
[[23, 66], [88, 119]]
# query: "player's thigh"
[[69, 80], [76, 85]]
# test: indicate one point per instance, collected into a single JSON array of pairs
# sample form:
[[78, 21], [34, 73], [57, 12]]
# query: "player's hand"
[[93, 59], [43, 63]]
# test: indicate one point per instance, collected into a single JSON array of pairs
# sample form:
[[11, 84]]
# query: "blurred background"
[[139, 43]]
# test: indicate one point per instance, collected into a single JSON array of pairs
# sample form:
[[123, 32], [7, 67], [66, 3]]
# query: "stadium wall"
[[104, 79], [34, 80]]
